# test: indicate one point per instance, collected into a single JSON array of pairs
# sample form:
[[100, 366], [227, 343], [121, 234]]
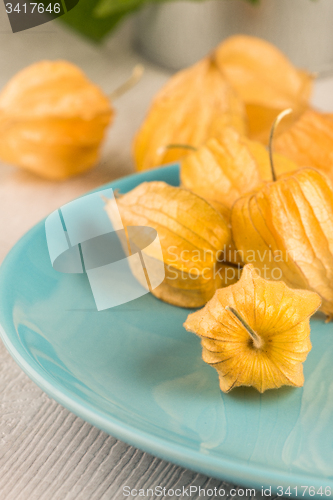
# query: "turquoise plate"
[[134, 372]]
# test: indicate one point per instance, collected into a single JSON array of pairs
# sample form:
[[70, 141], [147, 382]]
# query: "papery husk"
[[282, 164], [52, 120], [286, 230], [266, 81], [309, 142], [191, 233], [278, 315], [225, 168], [194, 105]]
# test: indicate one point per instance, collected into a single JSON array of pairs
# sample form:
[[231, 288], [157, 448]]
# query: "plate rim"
[[222, 467]]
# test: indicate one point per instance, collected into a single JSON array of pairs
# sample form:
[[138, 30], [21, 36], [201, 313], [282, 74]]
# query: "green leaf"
[[82, 19], [106, 8]]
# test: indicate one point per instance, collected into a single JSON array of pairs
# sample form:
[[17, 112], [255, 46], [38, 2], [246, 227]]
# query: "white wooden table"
[[46, 452]]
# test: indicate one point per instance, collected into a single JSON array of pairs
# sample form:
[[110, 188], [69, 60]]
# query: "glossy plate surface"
[[134, 372]]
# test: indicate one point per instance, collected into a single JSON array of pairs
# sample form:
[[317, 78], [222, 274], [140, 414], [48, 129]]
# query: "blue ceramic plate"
[[134, 372]]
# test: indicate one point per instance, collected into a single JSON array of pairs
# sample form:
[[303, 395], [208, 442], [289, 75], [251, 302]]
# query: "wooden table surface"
[[46, 452]]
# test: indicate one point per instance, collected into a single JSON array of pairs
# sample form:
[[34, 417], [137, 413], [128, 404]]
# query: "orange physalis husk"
[[256, 332], [265, 79], [286, 230], [195, 104], [191, 233], [52, 120], [225, 168], [308, 142]]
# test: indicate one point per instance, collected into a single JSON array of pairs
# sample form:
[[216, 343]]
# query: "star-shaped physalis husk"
[[195, 104], [191, 233], [256, 332], [266, 81]]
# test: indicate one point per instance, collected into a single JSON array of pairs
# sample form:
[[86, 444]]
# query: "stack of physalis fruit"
[[263, 215], [256, 332], [244, 83]]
